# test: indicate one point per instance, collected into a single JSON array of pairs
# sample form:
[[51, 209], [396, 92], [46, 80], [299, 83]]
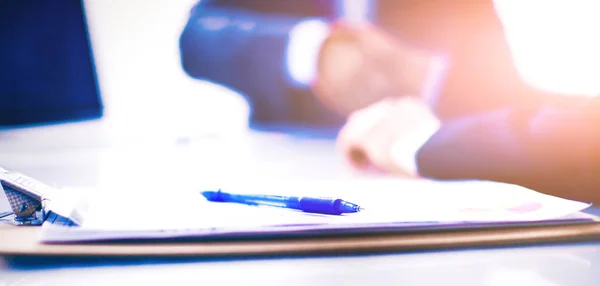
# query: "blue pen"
[[319, 205]]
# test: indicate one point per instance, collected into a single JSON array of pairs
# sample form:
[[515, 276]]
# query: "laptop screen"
[[47, 72]]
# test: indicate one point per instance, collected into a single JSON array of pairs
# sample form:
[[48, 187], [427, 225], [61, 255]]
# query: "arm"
[[553, 148], [481, 74], [497, 127], [238, 45], [452, 54]]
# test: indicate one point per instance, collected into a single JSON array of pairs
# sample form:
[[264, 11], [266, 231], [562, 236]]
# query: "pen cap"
[[320, 205]]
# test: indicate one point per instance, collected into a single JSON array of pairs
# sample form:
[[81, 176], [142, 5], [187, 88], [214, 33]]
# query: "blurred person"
[[243, 44], [438, 72], [480, 119]]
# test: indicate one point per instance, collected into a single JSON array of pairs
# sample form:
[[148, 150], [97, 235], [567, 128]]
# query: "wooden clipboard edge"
[[19, 241]]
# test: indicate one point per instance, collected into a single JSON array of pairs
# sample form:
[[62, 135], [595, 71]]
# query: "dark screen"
[[47, 71]]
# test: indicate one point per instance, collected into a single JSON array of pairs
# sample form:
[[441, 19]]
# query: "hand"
[[361, 64], [386, 135]]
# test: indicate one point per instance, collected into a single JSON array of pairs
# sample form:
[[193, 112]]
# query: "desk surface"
[[81, 155], [557, 265]]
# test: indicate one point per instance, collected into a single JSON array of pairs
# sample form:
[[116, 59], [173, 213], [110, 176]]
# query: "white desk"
[[544, 266], [91, 154], [84, 155]]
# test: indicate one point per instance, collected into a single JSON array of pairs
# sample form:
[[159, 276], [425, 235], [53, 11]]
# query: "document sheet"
[[389, 204]]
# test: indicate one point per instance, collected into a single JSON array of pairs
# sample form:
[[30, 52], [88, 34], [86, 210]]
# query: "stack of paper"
[[390, 204]]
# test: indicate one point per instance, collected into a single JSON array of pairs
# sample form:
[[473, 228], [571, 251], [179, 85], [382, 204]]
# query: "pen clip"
[[24, 197]]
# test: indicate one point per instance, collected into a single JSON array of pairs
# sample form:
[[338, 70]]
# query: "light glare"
[[555, 43]]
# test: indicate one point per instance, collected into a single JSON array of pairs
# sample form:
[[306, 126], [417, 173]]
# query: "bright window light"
[[555, 43]]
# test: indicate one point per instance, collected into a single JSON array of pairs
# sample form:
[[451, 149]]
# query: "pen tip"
[[360, 209]]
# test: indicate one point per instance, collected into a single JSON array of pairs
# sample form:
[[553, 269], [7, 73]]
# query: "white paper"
[[135, 214]]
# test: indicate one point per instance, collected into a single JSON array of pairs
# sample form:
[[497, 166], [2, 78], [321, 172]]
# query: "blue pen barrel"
[[253, 200], [323, 205], [306, 204]]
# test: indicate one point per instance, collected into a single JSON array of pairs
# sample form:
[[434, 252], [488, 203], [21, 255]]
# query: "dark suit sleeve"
[[243, 48], [553, 148], [300, 8]]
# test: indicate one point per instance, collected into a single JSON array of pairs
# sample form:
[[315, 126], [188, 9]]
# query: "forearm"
[[554, 148]]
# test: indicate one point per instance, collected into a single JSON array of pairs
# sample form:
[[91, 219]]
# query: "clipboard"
[[26, 198], [28, 204], [22, 241]]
